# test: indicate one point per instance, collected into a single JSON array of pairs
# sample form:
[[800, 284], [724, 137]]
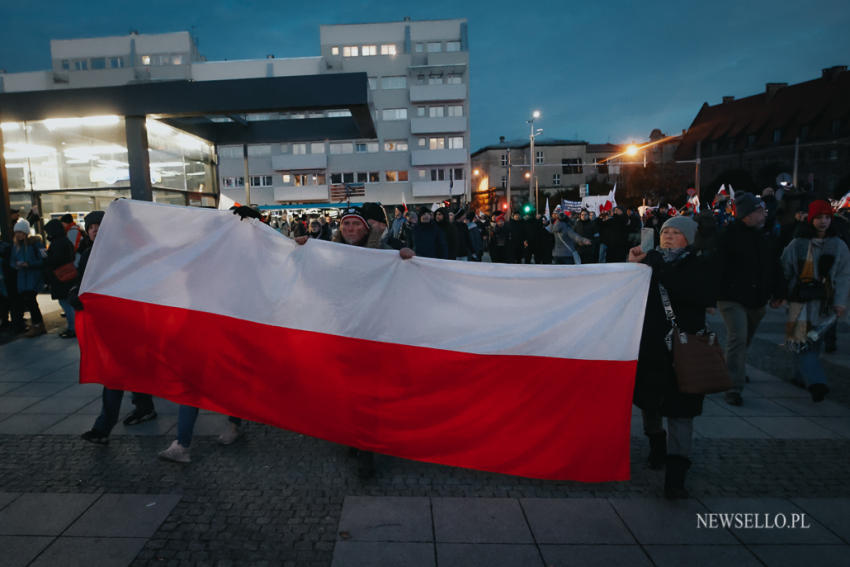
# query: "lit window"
[[436, 143], [452, 46], [369, 50], [420, 111], [146, 59], [393, 82], [421, 173], [454, 80], [422, 142], [287, 178], [456, 110], [435, 112], [176, 59], [556, 179], [388, 49], [434, 47], [334, 50], [317, 148], [374, 177], [395, 146], [395, 176], [349, 51], [420, 47], [456, 142], [394, 114], [299, 149]]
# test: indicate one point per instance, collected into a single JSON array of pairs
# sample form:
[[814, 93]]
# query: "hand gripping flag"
[[198, 307]]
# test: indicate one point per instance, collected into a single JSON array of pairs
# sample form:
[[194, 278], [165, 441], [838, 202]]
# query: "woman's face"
[[438, 216], [820, 222], [20, 236], [673, 238]]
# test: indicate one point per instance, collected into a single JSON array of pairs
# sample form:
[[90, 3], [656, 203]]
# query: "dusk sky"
[[604, 71]]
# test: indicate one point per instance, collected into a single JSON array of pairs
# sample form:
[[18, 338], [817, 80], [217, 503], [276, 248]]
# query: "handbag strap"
[[671, 317]]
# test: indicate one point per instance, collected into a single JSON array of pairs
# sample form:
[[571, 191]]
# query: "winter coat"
[[429, 241], [793, 259], [32, 252], [462, 232], [748, 266], [565, 239], [476, 242], [449, 233], [59, 253], [614, 232], [690, 286]]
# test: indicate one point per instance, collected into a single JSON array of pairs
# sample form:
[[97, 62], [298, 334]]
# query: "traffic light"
[[528, 209]]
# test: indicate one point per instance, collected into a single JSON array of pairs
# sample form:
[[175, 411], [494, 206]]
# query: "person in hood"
[[60, 253], [429, 239], [441, 219]]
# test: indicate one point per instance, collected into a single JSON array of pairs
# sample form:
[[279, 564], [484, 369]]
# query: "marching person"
[[816, 265], [27, 259], [60, 253], [687, 279]]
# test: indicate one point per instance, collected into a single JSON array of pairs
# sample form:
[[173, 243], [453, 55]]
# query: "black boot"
[[674, 477], [657, 449]]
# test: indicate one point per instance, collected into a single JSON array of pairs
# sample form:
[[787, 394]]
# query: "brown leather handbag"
[[698, 360]]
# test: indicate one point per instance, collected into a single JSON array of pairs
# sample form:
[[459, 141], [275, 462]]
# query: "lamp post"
[[532, 158]]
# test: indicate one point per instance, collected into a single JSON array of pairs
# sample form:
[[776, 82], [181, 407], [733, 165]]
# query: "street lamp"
[[532, 133]]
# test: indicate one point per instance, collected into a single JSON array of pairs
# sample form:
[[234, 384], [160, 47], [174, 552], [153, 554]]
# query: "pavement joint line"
[[531, 531], [631, 533]]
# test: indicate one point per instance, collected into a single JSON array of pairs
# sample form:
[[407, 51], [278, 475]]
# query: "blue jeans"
[[809, 365], [109, 411], [69, 313], [186, 417]]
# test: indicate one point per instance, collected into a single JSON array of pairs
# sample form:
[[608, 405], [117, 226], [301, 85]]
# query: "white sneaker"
[[176, 452], [231, 433]]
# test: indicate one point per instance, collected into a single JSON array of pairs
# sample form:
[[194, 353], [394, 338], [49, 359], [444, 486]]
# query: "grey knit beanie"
[[686, 225]]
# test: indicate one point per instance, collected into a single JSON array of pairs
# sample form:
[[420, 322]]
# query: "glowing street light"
[[632, 150], [476, 172]]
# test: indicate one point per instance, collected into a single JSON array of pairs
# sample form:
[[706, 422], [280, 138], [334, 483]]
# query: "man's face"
[[584, 216], [516, 216], [399, 213], [315, 226], [438, 216], [756, 218], [425, 218], [411, 218], [353, 230]]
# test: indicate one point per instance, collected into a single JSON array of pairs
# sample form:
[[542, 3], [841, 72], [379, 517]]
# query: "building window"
[[420, 47], [299, 149], [456, 142], [452, 46], [458, 173], [335, 50], [395, 176], [336, 178], [388, 49], [538, 159], [804, 132], [366, 147], [504, 182], [98, 63], [317, 148], [81, 65], [116, 62], [259, 150], [420, 110], [571, 166], [422, 142], [341, 148], [395, 146], [556, 179], [369, 50], [348, 177], [434, 47], [176, 59], [261, 181], [350, 51], [436, 143], [394, 114], [833, 155], [435, 112], [503, 159], [230, 151], [435, 80], [374, 177], [393, 82], [373, 83], [601, 167], [456, 110], [438, 175], [454, 80], [146, 59], [66, 65]]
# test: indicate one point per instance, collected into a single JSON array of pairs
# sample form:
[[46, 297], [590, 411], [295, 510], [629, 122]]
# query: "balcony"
[[298, 162], [427, 93], [438, 188], [301, 194], [437, 125], [438, 157]]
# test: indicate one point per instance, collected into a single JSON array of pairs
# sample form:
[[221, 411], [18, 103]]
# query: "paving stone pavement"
[[279, 498]]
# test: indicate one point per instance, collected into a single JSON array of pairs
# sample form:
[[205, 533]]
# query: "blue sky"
[[598, 71]]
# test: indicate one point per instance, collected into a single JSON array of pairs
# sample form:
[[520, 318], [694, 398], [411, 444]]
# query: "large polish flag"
[[523, 370]]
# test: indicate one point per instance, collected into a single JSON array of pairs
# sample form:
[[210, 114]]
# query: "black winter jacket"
[[748, 264]]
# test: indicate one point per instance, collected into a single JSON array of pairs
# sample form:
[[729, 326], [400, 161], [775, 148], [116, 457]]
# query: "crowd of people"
[[736, 257]]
